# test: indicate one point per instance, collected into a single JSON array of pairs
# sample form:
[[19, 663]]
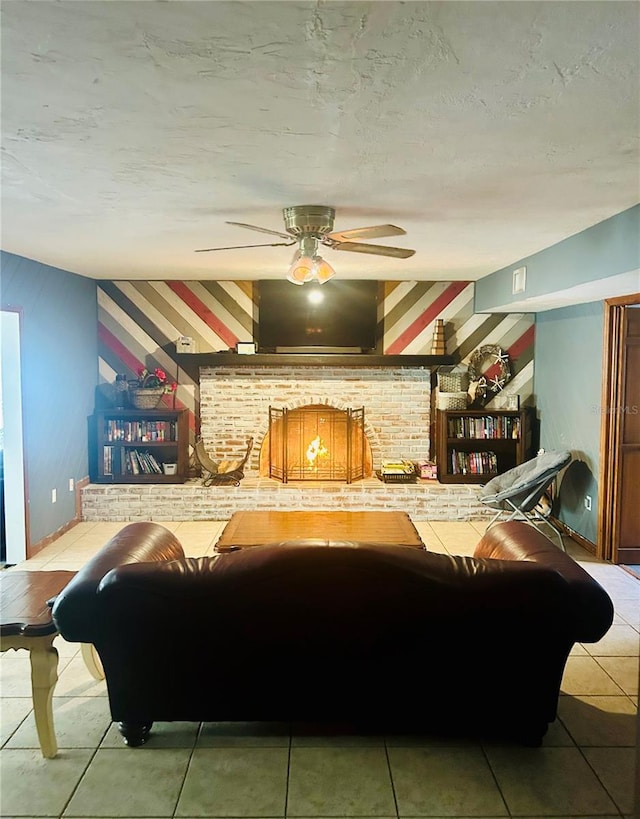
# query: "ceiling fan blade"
[[374, 232], [240, 247], [261, 229], [375, 250]]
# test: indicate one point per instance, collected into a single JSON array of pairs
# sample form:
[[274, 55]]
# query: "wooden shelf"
[[117, 445], [476, 452], [191, 362]]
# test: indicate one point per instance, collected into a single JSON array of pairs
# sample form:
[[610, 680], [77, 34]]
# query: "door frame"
[[609, 457], [16, 490]]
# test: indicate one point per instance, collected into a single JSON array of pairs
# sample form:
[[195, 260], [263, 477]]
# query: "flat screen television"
[[338, 316]]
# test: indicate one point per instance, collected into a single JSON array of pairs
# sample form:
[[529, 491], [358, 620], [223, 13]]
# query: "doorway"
[[14, 531], [619, 511]]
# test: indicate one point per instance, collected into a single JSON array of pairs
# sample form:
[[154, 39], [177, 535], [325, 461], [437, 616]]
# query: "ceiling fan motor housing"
[[305, 220]]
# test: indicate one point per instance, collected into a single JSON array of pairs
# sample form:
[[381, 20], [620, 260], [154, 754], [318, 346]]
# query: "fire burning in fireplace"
[[316, 443], [316, 449]]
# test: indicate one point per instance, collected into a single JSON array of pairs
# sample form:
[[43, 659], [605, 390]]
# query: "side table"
[[25, 622]]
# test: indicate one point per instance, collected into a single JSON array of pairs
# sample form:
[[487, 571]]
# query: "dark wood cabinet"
[[139, 446], [472, 446]]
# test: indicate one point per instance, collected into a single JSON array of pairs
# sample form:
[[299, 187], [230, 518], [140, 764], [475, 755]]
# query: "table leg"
[[92, 660], [44, 676]]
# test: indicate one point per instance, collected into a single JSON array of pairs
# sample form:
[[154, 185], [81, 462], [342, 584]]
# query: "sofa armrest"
[[75, 611], [514, 540]]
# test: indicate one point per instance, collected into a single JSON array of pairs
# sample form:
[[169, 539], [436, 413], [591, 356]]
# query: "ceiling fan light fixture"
[[301, 270], [309, 268], [322, 270]]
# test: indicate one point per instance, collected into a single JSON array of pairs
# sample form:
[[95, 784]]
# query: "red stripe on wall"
[[424, 319], [521, 344], [118, 348], [203, 312], [170, 403], [516, 349]]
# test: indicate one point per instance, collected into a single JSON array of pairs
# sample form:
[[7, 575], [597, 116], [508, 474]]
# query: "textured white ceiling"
[[488, 130]]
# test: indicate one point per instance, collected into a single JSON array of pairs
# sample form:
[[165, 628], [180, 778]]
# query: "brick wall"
[[426, 500], [234, 404]]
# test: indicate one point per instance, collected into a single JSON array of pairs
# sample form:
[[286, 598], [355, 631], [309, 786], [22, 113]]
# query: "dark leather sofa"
[[385, 638]]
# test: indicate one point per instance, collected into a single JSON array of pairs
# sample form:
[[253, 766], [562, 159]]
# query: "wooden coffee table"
[[25, 622], [246, 529]]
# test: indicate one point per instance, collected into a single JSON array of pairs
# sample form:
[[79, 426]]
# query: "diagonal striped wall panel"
[[410, 310], [139, 323]]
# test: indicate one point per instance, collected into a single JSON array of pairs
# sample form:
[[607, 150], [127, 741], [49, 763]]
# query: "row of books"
[[473, 463], [144, 431], [129, 462], [485, 426]]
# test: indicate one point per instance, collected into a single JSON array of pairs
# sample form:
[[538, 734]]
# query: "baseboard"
[[34, 548], [632, 570], [581, 541], [48, 539]]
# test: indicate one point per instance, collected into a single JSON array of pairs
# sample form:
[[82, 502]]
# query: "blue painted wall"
[[59, 354], [607, 249], [567, 386]]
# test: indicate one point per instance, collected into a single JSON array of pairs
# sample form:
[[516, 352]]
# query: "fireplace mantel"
[[191, 362]]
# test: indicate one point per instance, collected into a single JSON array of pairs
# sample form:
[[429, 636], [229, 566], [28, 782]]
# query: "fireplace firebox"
[[318, 443]]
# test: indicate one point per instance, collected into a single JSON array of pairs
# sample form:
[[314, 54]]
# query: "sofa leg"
[[134, 733], [533, 736]]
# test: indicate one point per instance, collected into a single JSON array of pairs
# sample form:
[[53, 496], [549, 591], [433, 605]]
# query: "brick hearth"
[[426, 500]]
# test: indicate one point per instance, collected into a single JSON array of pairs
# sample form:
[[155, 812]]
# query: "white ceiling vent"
[[519, 280]]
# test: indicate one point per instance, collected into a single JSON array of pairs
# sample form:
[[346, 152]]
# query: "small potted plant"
[[147, 391]]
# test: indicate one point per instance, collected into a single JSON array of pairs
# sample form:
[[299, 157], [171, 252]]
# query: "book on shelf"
[[484, 427], [473, 463], [140, 462], [132, 431], [107, 460]]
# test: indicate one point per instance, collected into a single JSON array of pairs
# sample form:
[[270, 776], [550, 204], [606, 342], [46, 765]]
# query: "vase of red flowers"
[[147, 391]]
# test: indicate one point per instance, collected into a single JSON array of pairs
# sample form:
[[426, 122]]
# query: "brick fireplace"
[[235, 402], [234, 405]]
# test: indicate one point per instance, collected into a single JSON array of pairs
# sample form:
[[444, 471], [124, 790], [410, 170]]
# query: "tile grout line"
[[393, 786], [595, 773], [495, 779], [92, 756], [288, 780], [188, 765]]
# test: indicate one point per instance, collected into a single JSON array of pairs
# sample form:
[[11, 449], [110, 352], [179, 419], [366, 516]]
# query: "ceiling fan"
[[312, 225]]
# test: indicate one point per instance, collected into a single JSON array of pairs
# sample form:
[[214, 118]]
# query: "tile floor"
[[585, 767]]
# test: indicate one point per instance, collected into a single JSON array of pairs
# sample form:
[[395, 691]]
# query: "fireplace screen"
[[317, 443]]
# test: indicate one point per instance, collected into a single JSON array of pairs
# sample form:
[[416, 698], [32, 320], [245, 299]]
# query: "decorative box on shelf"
[[452, 400], [427, 470], [453, 379]]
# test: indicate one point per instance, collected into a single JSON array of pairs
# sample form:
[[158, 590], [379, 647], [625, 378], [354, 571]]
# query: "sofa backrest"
[[298, 591], [295, 588]]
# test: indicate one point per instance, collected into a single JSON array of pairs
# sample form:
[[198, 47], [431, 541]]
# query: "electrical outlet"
[[587, 502], [71, 484], [54, 496]]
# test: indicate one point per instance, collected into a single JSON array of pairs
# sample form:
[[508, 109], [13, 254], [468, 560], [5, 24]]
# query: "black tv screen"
[[338, 315]]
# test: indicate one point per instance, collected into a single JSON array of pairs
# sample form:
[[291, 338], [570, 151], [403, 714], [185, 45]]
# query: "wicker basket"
[[453, 379], [452, 400], [146, 397]]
